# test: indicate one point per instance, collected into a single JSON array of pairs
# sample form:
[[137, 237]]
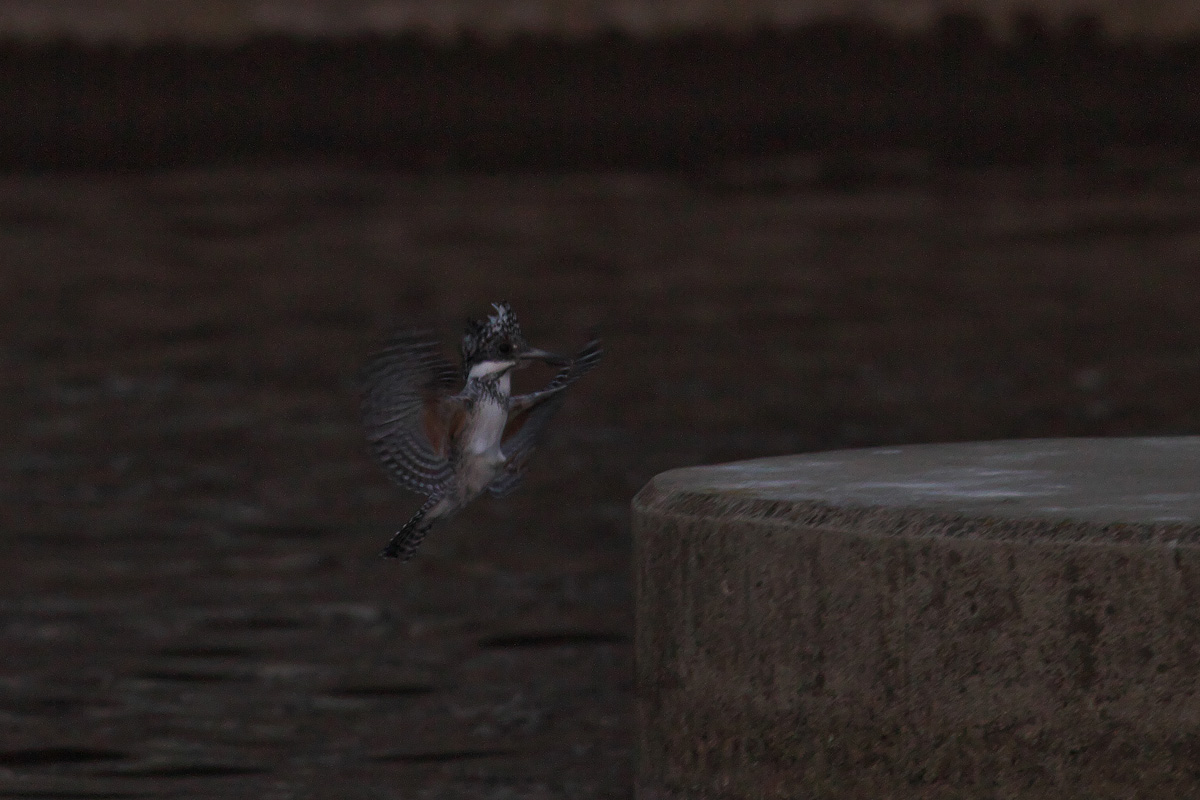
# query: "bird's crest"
[[482, 335]]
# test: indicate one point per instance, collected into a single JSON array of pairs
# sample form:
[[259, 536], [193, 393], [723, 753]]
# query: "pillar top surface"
[[1127, 487]]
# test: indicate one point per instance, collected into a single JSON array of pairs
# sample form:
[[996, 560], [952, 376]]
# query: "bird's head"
[[495, 345]]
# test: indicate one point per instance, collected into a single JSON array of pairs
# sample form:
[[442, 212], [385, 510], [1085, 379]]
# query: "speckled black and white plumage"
[[484, 339], [453, 446]]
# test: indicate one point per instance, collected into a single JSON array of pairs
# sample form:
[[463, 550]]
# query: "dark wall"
[[1059, 95]]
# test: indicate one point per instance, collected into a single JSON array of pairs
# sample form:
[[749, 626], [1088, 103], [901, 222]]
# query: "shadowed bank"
[[1061, 93]]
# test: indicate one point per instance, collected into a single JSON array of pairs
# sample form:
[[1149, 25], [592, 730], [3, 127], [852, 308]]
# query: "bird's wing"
[[532, 413], [409, 411]]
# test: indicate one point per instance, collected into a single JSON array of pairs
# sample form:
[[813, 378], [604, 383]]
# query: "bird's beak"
[[534, 354]]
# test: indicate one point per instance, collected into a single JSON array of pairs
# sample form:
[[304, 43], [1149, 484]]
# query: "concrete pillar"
[[986, 620]]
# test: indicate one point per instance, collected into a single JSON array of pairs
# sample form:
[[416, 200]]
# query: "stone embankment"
[[993, 619]]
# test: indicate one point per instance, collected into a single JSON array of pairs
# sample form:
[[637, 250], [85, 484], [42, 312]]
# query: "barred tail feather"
[[406, 541]]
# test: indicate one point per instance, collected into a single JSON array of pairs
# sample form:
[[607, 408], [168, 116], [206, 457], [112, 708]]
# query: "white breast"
[[487, 427], [482, 458]]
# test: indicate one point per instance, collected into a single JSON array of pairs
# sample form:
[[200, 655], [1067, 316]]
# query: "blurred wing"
[[408, 410], [525, 428]]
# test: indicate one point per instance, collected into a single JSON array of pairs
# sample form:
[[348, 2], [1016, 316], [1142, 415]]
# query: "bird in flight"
[[452, 434]]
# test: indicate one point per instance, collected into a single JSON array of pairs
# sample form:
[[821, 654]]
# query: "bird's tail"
[[406, 541]]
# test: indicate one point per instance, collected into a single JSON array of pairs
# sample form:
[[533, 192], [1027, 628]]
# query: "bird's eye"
[[505, 348]]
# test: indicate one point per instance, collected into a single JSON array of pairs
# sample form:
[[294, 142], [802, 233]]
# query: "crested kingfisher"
[[449, 445]]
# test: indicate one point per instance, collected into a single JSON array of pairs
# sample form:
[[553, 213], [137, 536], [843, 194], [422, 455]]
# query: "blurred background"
[[798, 224]]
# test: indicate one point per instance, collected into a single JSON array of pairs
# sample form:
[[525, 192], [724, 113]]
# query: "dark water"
[[191, 604]]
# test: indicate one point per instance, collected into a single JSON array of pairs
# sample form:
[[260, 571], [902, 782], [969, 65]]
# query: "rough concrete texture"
[[1008, 619]]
